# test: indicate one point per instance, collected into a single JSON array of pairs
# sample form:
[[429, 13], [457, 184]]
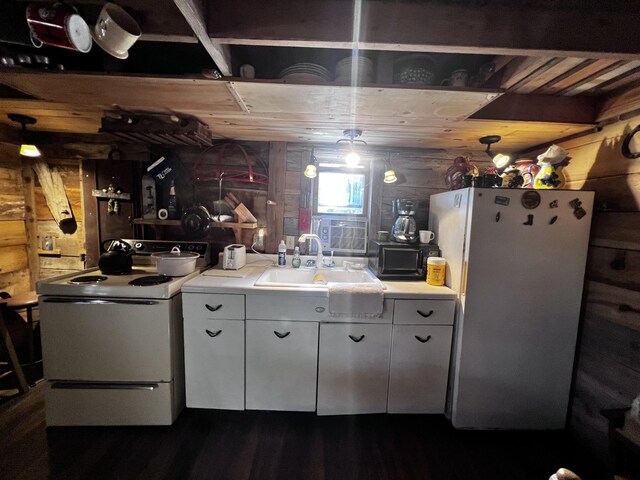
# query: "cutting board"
[[243, 272]]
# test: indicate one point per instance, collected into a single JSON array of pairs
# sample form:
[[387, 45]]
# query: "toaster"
[[234, 257]]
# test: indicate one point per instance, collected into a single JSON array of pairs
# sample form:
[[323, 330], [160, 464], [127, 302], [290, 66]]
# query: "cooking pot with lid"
[[175, 263], [117, 259]]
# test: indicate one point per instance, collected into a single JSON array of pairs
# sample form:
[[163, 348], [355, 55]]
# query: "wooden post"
[[275, 198], [28, 182], [90, 212]]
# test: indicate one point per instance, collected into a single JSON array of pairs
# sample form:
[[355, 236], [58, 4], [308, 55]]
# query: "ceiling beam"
[[434, 27], [540, 108], [194, 12]]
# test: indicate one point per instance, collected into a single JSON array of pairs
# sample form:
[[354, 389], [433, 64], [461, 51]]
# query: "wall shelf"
[[117, 196], [158, 226]]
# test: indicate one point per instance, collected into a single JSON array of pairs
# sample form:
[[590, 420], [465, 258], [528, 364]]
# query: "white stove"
[[112, 350], [92, 283]]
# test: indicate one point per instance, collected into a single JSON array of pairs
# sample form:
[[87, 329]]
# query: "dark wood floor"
[[205, 444]]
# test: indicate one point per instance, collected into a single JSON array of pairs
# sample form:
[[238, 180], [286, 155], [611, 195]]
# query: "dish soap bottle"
[[295, 263], [282, 254], [173, 203]]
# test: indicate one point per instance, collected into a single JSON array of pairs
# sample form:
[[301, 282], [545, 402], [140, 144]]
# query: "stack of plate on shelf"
[[364, 66], [305, 73]]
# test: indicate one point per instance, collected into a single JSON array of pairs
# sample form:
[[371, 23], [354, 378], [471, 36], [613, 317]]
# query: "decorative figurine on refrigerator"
[[551, 164]]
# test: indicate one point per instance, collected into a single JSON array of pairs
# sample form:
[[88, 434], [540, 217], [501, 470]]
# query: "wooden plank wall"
[[608, 365], [420, 174], [14, 265]]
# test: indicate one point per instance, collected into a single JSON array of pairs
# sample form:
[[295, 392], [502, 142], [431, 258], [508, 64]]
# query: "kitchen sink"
[[313, 278]]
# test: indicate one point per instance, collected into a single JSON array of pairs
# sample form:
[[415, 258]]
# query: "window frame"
[[366, 171]]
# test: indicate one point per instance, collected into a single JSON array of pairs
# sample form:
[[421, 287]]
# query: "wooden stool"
[[5, 338], [25, 301], [22, 301]]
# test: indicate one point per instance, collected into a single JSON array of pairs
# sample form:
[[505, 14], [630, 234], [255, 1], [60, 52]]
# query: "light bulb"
[[390, 176], [311, 171], [352, 159], [501, 161], [29, 150]]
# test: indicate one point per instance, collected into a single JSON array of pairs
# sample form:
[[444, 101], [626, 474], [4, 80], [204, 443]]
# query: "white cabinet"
[[353, 368], [214, 363], [420, 355], [282, 361], [419, 368]]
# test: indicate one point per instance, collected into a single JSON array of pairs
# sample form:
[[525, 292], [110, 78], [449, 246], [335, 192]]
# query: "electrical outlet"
[[258, 240], [290, 241]]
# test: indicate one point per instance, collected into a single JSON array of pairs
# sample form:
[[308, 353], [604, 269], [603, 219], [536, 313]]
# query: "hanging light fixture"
[[311, 170], [500, 160], [26, 149], [389, 173], [352, 158]]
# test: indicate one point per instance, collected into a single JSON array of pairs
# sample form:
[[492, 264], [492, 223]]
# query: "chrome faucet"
[[312, 236]]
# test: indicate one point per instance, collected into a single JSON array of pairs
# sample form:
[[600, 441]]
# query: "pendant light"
[[352, 158], [389, 173], [311, 170], [500, 160], [27, 149]]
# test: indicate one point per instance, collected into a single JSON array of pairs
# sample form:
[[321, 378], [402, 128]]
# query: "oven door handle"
[[96, 301], [103, 386]]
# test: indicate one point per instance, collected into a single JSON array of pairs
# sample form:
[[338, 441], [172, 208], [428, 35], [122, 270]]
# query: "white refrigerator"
[[516, 259]]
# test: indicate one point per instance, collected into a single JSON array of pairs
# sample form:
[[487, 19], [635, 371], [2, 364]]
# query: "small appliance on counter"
[[400, 261], [234, 257], [404, 228]]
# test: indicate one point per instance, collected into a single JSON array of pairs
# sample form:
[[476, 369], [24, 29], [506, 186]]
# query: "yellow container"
[[436, 268]]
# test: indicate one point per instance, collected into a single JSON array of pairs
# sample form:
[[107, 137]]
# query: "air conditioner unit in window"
[[340, 234]]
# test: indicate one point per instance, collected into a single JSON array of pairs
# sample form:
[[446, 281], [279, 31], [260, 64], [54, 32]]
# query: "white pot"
[[175, 263]]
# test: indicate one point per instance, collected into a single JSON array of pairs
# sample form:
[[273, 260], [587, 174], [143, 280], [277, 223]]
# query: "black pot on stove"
[[117, 259]]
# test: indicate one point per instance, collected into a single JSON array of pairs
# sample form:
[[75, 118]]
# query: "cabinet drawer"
[[424, 312], [213, 306], [314, 309]]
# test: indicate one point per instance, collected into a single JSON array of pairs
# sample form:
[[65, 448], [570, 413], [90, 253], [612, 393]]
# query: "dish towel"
[[355, 300]]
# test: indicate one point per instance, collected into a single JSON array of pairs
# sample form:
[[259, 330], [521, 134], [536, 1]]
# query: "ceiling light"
[[389, 173], [311, 170], [500, 160], [352, 158], [27, 149]]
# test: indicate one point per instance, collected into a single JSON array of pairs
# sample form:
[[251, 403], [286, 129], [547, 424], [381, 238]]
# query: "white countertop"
[[242, 281]]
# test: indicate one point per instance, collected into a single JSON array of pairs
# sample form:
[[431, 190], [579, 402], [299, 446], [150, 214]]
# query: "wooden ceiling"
[[558, 77]]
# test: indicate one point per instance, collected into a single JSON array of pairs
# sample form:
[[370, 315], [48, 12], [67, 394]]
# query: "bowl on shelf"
[[415, 69]]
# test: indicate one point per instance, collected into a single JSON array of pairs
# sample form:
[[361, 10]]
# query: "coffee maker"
[[404, 228]]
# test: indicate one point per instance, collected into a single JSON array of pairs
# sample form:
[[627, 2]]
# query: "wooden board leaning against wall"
[[608, 366], [67, 250]]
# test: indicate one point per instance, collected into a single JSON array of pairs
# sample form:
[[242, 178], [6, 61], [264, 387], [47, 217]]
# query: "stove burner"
[[150, 280], [88, 279]]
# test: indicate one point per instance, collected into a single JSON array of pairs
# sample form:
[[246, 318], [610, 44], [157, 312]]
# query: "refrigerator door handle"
[[463, 281]]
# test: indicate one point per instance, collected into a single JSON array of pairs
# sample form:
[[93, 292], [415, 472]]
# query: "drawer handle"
[[425, 315], [423, 339], [281, 335], [356, 339], [213, 309], [320, 309], [213, 334]]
